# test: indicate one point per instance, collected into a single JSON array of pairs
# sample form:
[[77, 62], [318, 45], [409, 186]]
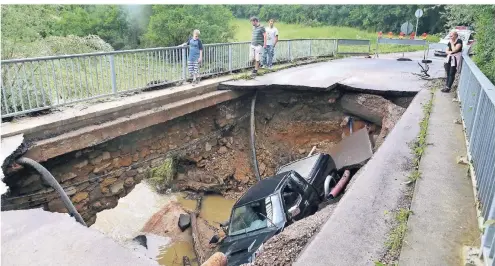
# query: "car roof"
[[262, 189]]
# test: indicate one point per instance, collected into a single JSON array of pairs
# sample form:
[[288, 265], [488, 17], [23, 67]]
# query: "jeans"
[[268, 54]]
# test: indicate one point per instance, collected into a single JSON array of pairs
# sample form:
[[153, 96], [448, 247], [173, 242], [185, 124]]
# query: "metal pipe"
[[326, 185], [253, 141], [340, 185], [48, 177]]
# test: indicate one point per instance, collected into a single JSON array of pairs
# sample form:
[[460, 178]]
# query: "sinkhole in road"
[[140, 183]]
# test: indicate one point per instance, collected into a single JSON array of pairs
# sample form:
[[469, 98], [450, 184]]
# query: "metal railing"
[[477, 96], [34, 84]]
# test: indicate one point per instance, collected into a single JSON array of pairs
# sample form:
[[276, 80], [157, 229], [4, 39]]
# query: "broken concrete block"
[[141, 240]]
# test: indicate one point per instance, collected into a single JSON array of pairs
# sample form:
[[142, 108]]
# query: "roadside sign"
[[407, 28], [418, 13]]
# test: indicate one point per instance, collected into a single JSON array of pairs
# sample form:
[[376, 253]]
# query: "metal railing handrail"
[[477, 106], [54, 57], [485, 83], [40, 83]]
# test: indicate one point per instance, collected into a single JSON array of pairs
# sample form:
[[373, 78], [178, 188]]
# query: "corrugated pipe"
[[48, 177]]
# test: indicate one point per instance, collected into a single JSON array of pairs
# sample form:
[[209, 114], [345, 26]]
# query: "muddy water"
[[172, 255], [216, 209], [126, 221]]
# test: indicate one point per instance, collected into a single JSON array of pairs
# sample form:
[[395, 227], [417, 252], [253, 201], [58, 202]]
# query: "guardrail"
[[400, 42], [477, 96], [35, 84]]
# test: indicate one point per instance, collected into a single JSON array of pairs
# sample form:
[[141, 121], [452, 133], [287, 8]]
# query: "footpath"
[[443, 218]]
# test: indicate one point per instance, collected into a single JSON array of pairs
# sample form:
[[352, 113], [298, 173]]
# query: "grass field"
[[295, 31]]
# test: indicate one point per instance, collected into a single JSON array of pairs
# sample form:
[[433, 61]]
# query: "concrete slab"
[[353, 150], [444, 214], [378, 76], [95, 134], [102, 110], [36, 237], [357, 231]]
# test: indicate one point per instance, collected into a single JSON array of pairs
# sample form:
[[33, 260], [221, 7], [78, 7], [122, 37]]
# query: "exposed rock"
[[67, 176], [94, 154], [80, 196], [100, 168], [95, 194], [70, 191], [57, 205], [108, 181], [208, 146], [117, 187], [217, 259], [262, 168], [97, 206], [302, 151], [81, 164], [144, 152], [125, 161], [184, 221], [131, 173], [129, 182], [223, 150], [135, 157], [141, 240]]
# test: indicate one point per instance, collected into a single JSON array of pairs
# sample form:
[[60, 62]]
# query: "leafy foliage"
[[171, 26], [369, 17], [484, 52]]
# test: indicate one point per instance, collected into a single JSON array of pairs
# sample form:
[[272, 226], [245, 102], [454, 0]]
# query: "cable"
[[48, 177], [253, 141]]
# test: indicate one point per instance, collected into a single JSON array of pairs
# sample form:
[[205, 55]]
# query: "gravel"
[[284, 248]]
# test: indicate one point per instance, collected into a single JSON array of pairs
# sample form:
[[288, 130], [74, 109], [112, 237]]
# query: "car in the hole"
[[466, 34], [293, 193]]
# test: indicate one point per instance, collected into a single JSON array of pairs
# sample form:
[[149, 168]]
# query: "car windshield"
[[253, 216]]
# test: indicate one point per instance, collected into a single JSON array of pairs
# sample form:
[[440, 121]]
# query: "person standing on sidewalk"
[[195, 56], [454, 51], [271, 42], [258, 41]]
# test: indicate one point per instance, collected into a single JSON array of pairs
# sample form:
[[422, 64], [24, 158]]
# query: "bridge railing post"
[[230, 58], [289, 50], [184, 65], [310, 43], [114, 78]]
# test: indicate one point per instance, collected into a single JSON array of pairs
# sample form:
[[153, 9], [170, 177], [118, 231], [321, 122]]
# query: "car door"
[[306, 191]]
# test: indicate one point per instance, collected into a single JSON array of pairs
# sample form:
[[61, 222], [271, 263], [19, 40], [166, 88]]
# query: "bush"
[[485, 41]]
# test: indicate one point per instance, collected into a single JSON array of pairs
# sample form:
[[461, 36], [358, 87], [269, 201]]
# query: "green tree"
[[485, 31], [172, 25]]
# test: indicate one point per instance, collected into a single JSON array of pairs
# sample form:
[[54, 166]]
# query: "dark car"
[[293, 193], [273, 203]]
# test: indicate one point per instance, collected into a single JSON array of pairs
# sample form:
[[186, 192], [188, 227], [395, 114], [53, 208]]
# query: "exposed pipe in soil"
[[326, 185], [340, 185], [48, 177], [253, 141]]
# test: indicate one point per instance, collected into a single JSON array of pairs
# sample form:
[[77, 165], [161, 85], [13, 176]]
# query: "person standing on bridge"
[[454, 51], [271, 41], [195, 56], [258, 41]]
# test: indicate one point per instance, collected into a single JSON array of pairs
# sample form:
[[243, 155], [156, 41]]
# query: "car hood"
[[237, 248]]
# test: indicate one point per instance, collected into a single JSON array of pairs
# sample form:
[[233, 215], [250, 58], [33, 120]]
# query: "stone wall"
[[210, 150], [96, 177]]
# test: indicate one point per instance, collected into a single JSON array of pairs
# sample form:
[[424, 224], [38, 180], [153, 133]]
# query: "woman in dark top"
[[195, 56], [454, 51]]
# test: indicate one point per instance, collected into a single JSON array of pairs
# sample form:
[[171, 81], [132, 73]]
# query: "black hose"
[[253, 141], [48, 177]]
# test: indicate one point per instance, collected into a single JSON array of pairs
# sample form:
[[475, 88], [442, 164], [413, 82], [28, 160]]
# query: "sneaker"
[[446, 89]]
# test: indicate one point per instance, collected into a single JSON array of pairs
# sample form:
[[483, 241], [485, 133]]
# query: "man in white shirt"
[[271, 42]]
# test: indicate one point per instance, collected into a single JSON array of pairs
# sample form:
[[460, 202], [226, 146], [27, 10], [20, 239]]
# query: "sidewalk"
[[443, 206]]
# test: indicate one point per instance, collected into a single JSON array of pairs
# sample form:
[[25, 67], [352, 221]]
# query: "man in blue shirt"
[[195, 56]]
